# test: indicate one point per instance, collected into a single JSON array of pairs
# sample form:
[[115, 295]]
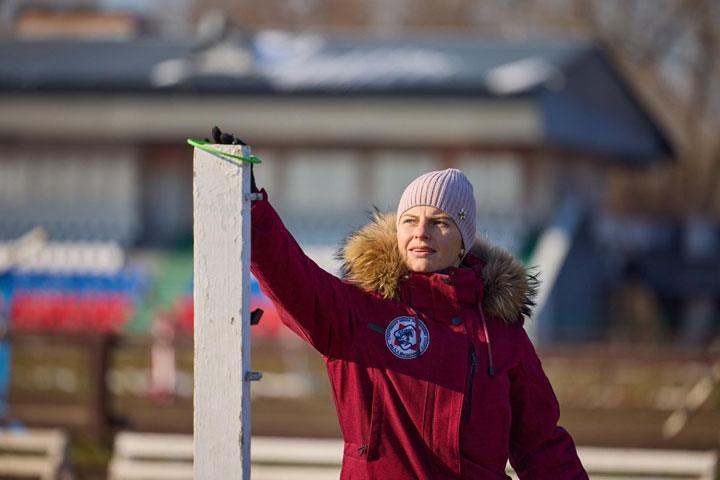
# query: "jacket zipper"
[[363, 449], [473, 368]]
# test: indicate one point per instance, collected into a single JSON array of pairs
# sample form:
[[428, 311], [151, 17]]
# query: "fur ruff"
[[372, 261]]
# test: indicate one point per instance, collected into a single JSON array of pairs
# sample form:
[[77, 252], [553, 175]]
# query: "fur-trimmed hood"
[[372, 261]]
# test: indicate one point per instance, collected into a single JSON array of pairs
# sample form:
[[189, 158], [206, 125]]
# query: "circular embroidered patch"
[[401, 337]]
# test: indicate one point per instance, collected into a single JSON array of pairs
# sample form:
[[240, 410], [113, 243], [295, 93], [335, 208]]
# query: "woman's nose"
[[421, 230]]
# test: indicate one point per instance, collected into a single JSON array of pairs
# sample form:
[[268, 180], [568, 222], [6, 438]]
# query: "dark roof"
[[280, 63], [45, 65], [584, 103]]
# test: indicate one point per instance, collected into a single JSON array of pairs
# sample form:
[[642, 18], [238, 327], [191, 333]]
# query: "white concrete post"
[[221, 295]]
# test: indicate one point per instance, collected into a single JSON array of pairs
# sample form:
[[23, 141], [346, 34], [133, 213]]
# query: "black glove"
[[225, 138], [229, 139]]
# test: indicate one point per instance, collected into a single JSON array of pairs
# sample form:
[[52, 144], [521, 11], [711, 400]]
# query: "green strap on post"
[[203, 145]]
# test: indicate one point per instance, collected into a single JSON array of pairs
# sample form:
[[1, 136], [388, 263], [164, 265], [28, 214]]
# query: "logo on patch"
[[407, 337]]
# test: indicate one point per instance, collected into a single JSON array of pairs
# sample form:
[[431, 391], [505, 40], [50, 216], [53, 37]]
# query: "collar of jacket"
[[371, 260]]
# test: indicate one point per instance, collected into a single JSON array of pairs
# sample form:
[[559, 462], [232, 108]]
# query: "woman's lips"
[[422, 252]]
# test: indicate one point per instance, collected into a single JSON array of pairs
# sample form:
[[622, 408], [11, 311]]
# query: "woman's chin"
[[421, 266]]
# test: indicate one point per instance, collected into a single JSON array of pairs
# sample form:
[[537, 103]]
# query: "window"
[[319, 182], [393, 171], [497, 180]]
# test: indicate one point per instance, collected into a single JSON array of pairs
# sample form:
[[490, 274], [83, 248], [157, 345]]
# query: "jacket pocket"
[[371, 450]]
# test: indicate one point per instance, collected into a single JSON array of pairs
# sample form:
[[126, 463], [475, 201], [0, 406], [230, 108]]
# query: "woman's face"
[[428, 239]]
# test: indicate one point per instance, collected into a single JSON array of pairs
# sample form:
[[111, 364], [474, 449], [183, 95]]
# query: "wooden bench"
[[143, 456], [34, 453], [151, 456], [626, 464]]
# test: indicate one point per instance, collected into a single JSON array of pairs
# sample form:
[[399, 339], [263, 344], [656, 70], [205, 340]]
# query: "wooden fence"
[[608, 397]]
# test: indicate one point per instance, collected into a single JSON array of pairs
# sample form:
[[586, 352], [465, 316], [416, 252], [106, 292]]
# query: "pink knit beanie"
[[450, 191]]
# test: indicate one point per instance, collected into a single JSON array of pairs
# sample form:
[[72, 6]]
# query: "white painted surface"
[[46, 441], [222, 308], [153, 445], [548, 258], [34, 453], [697, 464]]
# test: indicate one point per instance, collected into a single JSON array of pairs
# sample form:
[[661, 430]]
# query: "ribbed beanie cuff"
[[450, 191]]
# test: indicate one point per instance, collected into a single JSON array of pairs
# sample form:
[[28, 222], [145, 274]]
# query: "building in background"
[[547, 128], [92, 135]]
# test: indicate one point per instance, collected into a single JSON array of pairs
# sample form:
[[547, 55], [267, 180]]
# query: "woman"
[[432, 373]]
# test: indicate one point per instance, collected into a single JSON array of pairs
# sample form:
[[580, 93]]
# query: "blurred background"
[[589, 129]]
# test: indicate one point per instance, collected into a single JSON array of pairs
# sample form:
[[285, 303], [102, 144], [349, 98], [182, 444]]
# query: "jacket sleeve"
[[539, 448], [313, 303]]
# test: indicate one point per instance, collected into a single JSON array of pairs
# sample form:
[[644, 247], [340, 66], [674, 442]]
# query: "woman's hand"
[[225, 138]]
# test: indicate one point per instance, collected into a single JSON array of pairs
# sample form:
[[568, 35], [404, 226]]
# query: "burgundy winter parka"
[[433, 375]]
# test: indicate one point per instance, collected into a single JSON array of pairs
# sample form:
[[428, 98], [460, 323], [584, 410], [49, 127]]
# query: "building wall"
[[76, 192], [143, 194], [323, 194]]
